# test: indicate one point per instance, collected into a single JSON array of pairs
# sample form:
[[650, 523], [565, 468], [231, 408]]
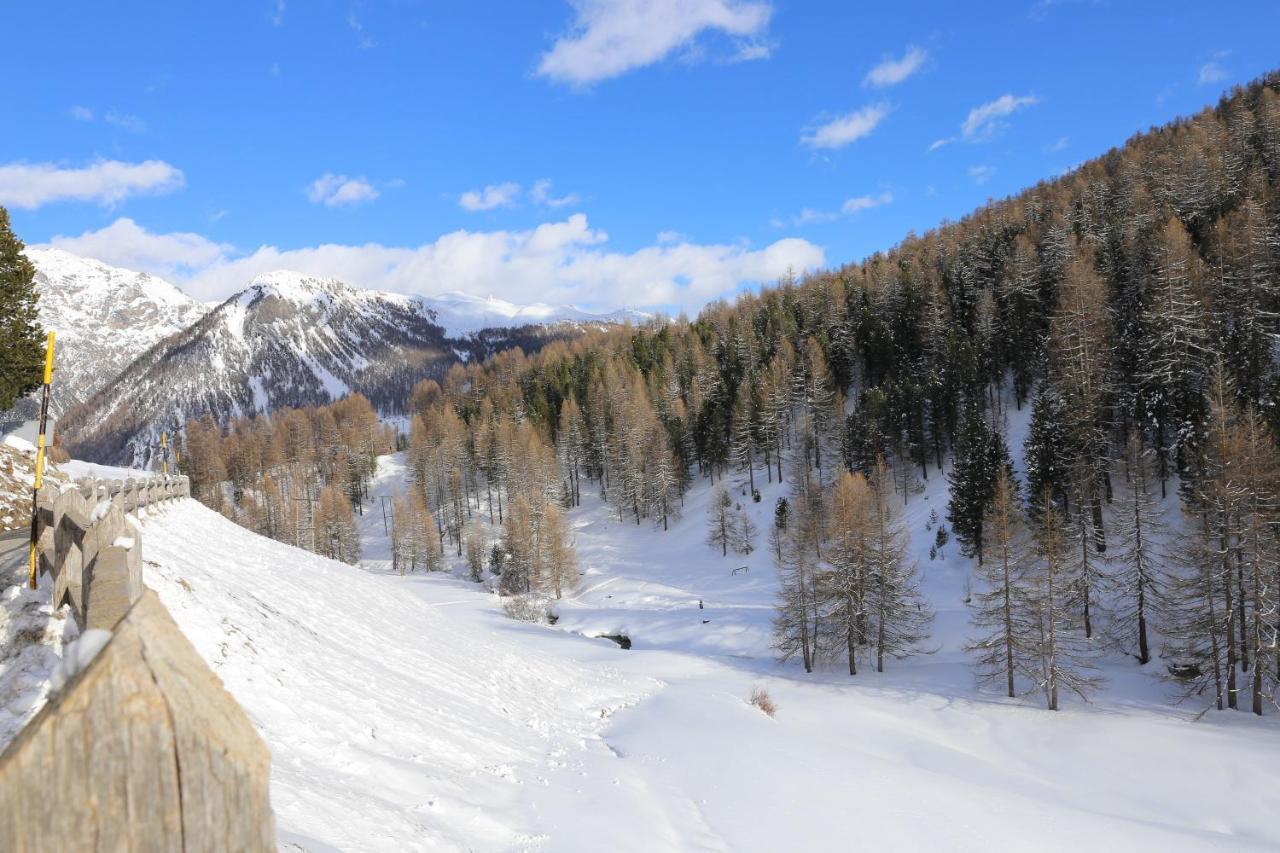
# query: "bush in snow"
[[529, 607], [762, 700]]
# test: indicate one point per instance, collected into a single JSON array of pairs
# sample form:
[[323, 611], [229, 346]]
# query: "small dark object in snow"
[[706, 621], [621, 639], [740, 570], [1185, 671], [553, 618], [699, 603]]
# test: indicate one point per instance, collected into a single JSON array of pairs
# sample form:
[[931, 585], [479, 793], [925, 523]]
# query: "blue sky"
[[601, 152]]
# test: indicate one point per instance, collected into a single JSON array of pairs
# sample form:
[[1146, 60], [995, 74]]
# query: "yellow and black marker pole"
[[164, 453], [40, 444]]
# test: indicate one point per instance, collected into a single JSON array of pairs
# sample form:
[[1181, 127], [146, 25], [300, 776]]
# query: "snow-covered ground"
[[408, 713]]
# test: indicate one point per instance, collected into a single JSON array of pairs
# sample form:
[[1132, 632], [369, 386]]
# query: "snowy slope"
[[104, 317], [396, 721], [914, 758]]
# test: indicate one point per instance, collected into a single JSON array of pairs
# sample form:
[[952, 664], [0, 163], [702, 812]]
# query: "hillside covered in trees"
[[1133, 304]]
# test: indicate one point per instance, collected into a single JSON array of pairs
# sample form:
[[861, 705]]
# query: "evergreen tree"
[[21, 350], [902, 616], [796, 624], [1140, 576], [1007, 644], [843, 586], [720, 521], [1063, 657], [980, 454]]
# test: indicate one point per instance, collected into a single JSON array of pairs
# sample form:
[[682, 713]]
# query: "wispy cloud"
[[336, 190], [492, 196], [540, 192], [125, 121], [891, 71], [981, 174], [105, 182], [1212, 72], [608, 38], [80, 113], [847, 128], [1059, 145], [363, 40], [277, 17], [983, 122], [851, 207]]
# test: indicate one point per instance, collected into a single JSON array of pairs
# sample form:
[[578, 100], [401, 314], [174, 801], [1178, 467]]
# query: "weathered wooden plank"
[[144, 750]]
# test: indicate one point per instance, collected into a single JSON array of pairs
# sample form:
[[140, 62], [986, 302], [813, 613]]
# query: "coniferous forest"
[[1132, 304]]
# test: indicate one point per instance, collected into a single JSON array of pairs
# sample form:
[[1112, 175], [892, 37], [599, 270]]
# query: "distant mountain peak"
[[104, 316]]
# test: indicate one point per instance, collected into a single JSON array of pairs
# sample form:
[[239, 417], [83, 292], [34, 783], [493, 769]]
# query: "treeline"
[[1133, 303], [298, 475]]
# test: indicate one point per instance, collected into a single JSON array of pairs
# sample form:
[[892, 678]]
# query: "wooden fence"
[[143, 749]]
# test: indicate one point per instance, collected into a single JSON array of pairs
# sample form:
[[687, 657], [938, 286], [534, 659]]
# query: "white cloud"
[[847, 128], [865, 202], [277, 18], [125, 243], [80, 113], [981, 174], [363, 40], [540, 192], [983, 121], [851, 206], [106, 182], [492, 196], [1211, 73], [1060, 145], [611, 37], [557, 262], [939, 143], [891, 72], [335, 190], [125, 121]]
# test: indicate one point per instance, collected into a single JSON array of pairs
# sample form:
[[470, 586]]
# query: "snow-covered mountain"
[[286, 340], [105, 317], [291, 339], [462, 313]]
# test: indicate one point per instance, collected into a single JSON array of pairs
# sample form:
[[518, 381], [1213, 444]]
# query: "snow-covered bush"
[[529, 607]]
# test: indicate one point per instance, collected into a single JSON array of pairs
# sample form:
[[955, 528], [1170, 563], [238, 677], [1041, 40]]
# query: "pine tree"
[[744, 533], [476, 548], [980, 454], [522, 563], [1140, 576], [902, 617], [1063, 658], [1046, 451], [795, 625], [21, 350], [720, 521], [560, 560], [335, 526], [1007, 644], [844, 585]]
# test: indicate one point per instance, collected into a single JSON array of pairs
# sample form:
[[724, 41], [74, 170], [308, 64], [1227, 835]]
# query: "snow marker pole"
[[164, 453], [40, 442]]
